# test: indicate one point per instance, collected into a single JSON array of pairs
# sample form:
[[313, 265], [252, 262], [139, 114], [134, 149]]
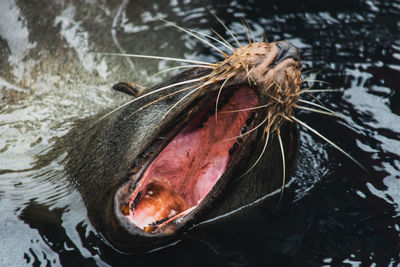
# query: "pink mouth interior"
[[181, 176]]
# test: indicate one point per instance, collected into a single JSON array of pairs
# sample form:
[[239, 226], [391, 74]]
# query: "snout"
[[286, 50]]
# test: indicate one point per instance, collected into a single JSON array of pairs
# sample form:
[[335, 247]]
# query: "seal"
[[208, 141]]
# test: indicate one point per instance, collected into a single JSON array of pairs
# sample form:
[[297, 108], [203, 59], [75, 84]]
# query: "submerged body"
[[206, 142]]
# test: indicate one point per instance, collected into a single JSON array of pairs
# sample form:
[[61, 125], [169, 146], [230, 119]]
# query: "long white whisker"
[[311, 70], [252, 130], [246, 109], [309, 77], [215, 39], [150, 93], [223, 39], [316, 99], [216, 102], [158, 57], [195, 36], [183, 98], [319, 91], [318, 111], [159, 99], [226, 28], [305, 90], [329, 141], [247, 31], [283, 166], [312, 80], [182, 67], [320, 106], [259, 157]]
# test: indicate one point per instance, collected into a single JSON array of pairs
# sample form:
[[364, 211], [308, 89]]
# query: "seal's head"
[[272, 69], [228, 111]]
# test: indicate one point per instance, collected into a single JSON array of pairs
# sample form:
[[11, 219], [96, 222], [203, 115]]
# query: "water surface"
[[333, 213]]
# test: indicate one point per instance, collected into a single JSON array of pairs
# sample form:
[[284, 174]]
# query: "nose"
[[286, 50]]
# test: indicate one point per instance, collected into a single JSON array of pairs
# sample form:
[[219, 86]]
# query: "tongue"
[[160, 201], [190, 165]]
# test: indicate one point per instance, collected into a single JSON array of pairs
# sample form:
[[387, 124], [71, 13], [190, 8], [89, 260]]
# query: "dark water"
[[332, 214]]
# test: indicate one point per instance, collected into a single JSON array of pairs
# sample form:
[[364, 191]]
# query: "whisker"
[[223, 39], [246, 68], [305, 89], [248, 132], [181, 67], [289, 119], [320, 106], [258, 159], [150, 93], [250, 31], [312, 80], [247, 30], [159, 99], [329, 141], [319, 91], [318, 111], [314, 74], [316, 99], [183, 98], [311, 70], [215, 39], [249, 77], [226, 28], [159, 57], [274, 98], [283, 166], [246, 109], [216, 102], [196, 36], [263, 37], [258, 107]]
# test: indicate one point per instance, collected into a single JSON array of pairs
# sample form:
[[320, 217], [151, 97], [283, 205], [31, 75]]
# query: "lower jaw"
[[187, 169]]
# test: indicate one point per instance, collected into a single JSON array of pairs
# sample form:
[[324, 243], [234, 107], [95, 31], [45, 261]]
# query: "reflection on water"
[[333, 213]]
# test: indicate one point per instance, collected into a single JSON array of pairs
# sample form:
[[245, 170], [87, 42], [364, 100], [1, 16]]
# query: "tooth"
[[249, 120], [135, 202], [235, 146]]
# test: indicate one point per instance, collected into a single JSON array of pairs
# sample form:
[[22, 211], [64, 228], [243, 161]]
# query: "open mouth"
[[180, 177]]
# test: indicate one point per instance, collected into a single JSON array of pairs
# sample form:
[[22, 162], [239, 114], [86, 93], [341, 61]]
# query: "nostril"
[[286, 50]]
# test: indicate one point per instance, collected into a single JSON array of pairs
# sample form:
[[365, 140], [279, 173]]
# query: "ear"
[[130, 88]]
